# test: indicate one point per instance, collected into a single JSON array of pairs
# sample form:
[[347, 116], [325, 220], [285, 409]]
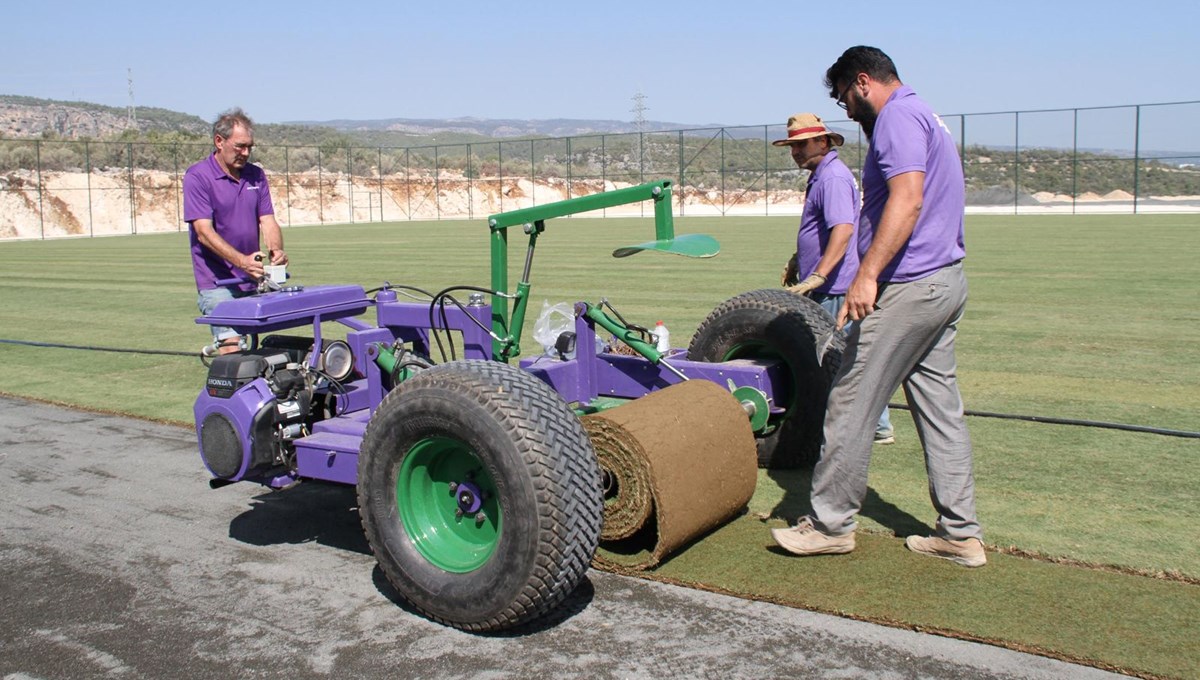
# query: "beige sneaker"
[[967, 552], [804, 539]]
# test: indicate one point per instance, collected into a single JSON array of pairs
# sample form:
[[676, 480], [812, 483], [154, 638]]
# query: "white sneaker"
[[804, 539]]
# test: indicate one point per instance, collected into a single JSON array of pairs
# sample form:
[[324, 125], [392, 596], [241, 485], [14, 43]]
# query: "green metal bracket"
[[507, 324]]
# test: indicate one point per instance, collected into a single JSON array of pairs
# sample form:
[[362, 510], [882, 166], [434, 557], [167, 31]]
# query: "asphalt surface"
[[117, 560]]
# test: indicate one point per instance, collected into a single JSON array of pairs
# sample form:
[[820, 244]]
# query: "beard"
[[864, 114]]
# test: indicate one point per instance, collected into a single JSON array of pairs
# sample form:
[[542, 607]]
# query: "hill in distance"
[[30, 118]]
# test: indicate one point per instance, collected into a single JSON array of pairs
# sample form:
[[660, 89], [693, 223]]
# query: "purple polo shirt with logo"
[[910, 137], [830, 199], [234, 207]]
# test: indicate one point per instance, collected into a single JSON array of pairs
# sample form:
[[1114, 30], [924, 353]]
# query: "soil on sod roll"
[[681, 461]]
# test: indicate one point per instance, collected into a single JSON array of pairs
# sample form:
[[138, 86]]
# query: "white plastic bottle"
[[662, 337]]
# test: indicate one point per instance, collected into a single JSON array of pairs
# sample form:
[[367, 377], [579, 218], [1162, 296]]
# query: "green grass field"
[[1086, 317]]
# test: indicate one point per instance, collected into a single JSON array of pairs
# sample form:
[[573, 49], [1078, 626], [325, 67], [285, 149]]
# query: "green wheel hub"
[[448, 504], [760, 350]]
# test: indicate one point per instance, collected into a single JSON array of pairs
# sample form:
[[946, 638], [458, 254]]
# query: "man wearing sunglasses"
[[227, 205], [906, 298]]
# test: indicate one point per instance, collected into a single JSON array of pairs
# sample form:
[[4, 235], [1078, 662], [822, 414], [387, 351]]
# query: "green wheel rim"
[[448, 504]]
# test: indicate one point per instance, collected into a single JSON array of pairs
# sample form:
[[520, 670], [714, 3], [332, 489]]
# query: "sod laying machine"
[[485, 488]]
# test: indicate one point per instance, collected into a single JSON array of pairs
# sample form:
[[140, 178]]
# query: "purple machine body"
[[263, 417]]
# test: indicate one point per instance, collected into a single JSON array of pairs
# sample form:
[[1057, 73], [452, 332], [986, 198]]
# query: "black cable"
[[1072, 421], [903, 407], [93, 348]]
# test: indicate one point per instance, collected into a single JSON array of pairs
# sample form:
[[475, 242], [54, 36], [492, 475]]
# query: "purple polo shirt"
[[234, 207], [910, 137], [830, 199]]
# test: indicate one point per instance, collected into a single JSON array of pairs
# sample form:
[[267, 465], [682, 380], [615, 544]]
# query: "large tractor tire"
[[780, 325], [480, 495]]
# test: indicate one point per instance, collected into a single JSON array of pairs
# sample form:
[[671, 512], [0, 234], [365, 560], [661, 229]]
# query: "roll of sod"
[[678, 463]]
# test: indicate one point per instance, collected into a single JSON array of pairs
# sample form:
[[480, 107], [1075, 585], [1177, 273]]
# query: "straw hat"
[[805, 126]]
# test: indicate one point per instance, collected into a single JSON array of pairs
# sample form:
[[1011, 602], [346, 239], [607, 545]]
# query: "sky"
[[745, 62]]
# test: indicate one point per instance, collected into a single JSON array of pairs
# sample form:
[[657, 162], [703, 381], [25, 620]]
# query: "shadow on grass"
[[797, 502]]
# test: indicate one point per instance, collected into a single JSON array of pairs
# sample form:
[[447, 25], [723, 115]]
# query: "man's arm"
[[209, 238], [835, 250], [272, 235], [905, 197]]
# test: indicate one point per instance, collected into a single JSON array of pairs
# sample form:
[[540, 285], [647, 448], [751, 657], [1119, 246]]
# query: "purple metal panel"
[[288, 308], [331, 457], [631, 377], [623, 376], [563, 376], [411, 322], [350, 424]]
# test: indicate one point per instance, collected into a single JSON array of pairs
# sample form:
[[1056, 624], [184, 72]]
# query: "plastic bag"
[[554, 320]]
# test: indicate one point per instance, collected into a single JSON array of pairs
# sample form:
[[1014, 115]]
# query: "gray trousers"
[[908, 340]]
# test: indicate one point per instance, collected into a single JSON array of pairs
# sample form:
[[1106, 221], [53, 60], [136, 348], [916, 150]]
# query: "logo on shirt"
[[942, 124]]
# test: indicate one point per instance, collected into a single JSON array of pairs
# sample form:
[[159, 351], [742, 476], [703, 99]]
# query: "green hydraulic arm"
[[506, 324]]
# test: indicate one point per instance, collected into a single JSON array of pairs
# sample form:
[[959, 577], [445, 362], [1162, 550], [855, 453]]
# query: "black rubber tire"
[[546, 475], [775, 323]]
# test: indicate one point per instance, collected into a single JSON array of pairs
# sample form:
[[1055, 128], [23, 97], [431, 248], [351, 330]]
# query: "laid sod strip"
[[1133, 624]]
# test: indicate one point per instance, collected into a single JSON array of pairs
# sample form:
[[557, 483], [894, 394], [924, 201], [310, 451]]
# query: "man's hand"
[[790, 276], [813, 282], [860, 300], [278, 256], [252, 264]]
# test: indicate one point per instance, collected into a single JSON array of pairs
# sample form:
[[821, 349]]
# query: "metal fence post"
[[766, 173], [1137, 141], [87, 162], [682, 191], [379, 169], [132, 195], [177, 187], [287, 178], [350, 175], [320, 189], [37, 149], [1074, 159], [1016, 160]]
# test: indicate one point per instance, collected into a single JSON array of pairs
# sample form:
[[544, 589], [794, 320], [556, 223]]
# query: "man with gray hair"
[[227, 205]]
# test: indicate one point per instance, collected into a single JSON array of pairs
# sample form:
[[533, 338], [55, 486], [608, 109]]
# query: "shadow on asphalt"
[[309, 512], [327, 514]]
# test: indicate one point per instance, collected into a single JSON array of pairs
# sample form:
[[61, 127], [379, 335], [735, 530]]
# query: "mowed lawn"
[[1083, 317]]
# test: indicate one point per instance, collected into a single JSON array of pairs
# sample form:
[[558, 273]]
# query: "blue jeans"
[[209, 298], [833, 304]]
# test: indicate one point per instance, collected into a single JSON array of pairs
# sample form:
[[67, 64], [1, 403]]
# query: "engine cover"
[[237, 416]]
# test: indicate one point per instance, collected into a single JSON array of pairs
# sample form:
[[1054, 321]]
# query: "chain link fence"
[[1125, 159]]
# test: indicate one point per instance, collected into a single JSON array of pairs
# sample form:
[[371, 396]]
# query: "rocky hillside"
[[28, 117]]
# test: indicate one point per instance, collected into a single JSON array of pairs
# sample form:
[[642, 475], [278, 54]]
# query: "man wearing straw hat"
[[908, 296], [826, 258]]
